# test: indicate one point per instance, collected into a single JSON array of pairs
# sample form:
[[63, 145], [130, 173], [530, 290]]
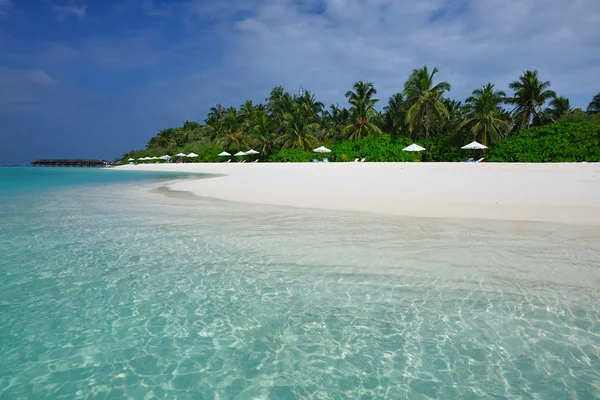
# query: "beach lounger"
[[228, 161], [356, 160], [255, 161], [470, 160], [325, 160], [480, 160], [243, 161], [363, 160], [315, 160]]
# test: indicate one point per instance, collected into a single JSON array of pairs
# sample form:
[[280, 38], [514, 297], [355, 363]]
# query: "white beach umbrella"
[[192, 155], [180, 155], [239, 153], [224, 154], [474, 146], [154, 158], [145, 158], [413, 147], [131, 159], [166, 157], [322, 149], [251, 152], [141, 158]]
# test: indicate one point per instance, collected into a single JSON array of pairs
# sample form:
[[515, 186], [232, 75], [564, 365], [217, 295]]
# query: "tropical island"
[[531, 124]]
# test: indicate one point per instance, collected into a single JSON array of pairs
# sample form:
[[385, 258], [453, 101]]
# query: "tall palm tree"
[[215, 113], [425, 101], [231, 132], [395, 114], [559, 106], [279, 103], [485, 114], [299, 132], [310, 106], [529, 97], [362, 111], [263, 131], [334, 120], [594, 106]]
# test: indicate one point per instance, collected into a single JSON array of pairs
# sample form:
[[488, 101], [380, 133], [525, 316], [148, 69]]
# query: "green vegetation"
[[558, 142], [539, 127]]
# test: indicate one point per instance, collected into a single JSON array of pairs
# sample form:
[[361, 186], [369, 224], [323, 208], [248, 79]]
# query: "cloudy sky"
[[95, 79]]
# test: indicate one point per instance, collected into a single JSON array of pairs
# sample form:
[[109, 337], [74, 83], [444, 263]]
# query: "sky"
[[95, 78]]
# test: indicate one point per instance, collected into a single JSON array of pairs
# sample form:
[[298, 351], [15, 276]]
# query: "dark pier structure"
[[70, 163]]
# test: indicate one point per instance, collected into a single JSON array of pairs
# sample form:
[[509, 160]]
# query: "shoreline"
[[558, 193]]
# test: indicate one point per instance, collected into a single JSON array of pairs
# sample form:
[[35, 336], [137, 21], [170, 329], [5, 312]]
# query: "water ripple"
[[134, 296]]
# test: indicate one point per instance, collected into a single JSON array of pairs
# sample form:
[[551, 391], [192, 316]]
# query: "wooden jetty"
[[70, 163]]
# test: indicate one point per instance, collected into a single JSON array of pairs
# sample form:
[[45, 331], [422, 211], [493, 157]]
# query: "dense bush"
[[292, 155], [447, 148], [558, 142], [380, 148]]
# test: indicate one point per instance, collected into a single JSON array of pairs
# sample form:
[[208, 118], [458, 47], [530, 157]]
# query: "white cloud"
[[326, 46], [63, 12]]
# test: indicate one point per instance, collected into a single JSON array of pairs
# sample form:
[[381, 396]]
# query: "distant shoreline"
[[566, 193]]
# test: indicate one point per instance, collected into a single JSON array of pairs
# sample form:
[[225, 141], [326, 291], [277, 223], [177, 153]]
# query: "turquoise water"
[[117, 291], [19, 179]]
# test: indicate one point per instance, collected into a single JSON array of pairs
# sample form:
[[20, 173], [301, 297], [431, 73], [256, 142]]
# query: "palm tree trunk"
[[426, 141]]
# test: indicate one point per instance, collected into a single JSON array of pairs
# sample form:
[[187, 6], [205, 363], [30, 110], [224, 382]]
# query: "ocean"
[[113, 287]]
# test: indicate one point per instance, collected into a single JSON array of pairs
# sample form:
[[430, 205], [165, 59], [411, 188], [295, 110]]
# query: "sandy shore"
[[563, 193]]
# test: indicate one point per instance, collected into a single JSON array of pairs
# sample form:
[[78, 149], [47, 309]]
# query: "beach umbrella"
[[131, 159], [224, 154], [474, 146], [192, 155], [413, 147], [251, 152], [166, 157], [181, 155], [239, 154], [141, 159], [322, 149]]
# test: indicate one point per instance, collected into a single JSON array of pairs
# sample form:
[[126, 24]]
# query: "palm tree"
[[530, 95], [231, 130], [299, 132], [263, 131], [559, 106], [310, 106], [279, 103], [362, 111], [594, 106], [425, 100], [395, 114], [485, 114], [334, 120], [216, 113]]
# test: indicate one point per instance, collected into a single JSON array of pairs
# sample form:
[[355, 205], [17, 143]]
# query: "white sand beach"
[[561, 193]]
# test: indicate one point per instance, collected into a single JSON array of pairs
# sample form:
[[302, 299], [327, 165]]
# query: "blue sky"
[[97, 78]]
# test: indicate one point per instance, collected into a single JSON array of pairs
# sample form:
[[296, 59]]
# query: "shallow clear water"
[[116, 292]]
